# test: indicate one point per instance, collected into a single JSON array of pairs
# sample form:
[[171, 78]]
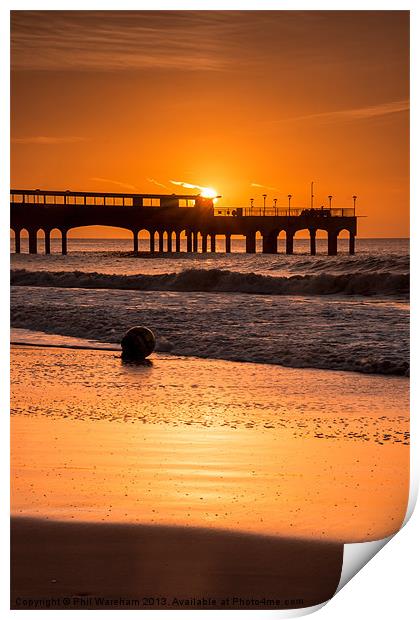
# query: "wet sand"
[[207, 477]]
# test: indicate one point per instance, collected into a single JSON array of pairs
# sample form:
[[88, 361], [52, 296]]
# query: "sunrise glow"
[[209, 192]]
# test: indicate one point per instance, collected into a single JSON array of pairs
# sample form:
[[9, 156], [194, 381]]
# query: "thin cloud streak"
[[154, 182], [189, 185], [113, 182], [49, 140], [264, 186], [355, 114], [121, 40]]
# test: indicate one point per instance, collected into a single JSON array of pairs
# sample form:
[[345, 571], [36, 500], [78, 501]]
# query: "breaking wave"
[[371, 283], [391, 263]]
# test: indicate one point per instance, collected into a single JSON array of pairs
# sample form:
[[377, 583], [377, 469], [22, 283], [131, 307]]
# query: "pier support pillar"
[[32, 242], [152, 241], [212, 242], [64, 242], [204, 243], [289, 242], [352, 243], [269, 244], [250, 245], [189, 242], [47, 242], [177, 242], [228, 244], [170, 241], [312, 234], [17, 241], [332, 243], [160, 240], [195, 241], [135, 242]]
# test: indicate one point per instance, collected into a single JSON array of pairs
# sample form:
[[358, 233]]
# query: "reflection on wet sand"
[[187, 442]]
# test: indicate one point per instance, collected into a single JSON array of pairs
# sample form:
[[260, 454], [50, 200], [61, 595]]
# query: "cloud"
[[186, 185], [121, 40], [113, 182], [207, 192], [264, 186], [49, 140], [355, 114], [190, 185], [156, 183]]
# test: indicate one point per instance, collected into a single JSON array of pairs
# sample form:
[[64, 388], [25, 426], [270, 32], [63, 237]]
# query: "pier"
[[166, 217]]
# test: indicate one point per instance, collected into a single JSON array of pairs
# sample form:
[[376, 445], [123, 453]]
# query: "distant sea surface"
[[341, 313]]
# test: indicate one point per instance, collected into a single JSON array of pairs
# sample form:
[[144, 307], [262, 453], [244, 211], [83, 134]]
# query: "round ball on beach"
[[138, 343]]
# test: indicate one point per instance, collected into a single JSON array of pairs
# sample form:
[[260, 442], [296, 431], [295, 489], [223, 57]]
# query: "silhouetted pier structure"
[[170, 216]]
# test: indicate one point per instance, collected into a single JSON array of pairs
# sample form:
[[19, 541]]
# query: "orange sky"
[[127, 101]]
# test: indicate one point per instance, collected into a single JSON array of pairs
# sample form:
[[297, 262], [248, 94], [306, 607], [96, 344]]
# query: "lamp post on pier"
[[289, 197], [354, 204], [264, 198], [312, 194], [330, 198], [274, 203]]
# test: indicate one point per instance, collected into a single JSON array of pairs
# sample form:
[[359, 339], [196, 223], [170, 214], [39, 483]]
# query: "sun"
[[208, 192]]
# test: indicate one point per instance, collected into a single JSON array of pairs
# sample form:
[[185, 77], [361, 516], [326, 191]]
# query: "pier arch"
[[182, 235], [172, 241], [321, 241], [54, 236], [24, 240], [258, 242], [143, 240], [281, 242], [346, 241], [70, 233], [307, 239], [238, 243], [200, 237], [42, 241], [166, 241]]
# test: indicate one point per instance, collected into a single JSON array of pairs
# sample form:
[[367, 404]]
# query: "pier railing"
[[281, 212]]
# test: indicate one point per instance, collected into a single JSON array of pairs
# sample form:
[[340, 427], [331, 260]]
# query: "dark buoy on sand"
[[137, 344]]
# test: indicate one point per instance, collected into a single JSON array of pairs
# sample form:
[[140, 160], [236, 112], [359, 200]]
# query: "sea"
[[344, 313]]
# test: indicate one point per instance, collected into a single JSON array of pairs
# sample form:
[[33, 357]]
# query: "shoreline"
[[79, 343]]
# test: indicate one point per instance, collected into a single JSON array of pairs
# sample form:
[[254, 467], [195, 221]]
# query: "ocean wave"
[[224, 281], [340, 333], [389, 263]]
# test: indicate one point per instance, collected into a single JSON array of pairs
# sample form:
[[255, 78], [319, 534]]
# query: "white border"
[[386, 587]]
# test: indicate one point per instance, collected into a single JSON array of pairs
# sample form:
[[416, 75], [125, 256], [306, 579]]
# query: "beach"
[[275, 464], [269, 428]]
